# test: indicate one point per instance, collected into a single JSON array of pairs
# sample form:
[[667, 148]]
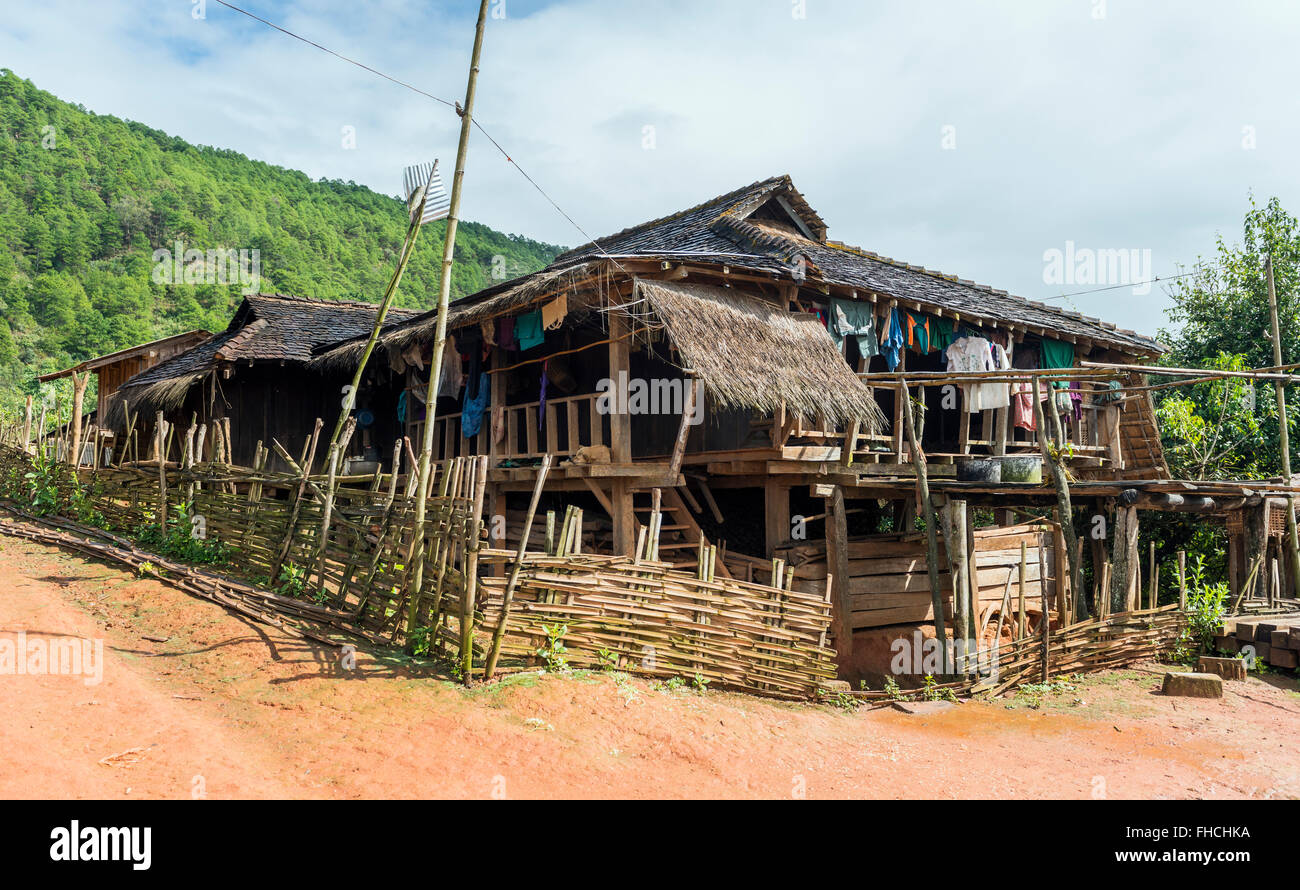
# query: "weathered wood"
[[931, 520]]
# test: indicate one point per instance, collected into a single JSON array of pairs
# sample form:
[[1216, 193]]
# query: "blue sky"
[[970, 137]]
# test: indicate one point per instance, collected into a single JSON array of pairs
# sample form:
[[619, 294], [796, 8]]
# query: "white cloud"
[[1123, 132]]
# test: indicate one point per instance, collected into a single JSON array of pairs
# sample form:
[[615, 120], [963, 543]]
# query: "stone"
[[1227, 668], [1193, 685]]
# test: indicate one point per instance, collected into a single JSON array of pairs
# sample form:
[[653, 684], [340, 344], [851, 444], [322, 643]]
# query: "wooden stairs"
[[679, 534]]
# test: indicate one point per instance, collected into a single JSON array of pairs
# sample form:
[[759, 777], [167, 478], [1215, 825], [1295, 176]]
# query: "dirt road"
[[195, 702]]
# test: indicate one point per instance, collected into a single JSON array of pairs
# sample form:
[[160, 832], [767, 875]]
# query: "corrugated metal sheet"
[[438, 203]]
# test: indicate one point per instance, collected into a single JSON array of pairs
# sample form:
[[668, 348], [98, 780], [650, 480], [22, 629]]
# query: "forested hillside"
[[86, 199]]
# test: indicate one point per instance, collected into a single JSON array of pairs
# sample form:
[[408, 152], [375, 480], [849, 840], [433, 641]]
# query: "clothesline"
[[533, 361]]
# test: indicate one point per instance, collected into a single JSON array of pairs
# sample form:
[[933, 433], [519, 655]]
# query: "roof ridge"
[[622, 233], [320, 301]]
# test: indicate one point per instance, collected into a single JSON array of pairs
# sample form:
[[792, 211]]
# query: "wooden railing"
[[1095, 435], [527, 430]]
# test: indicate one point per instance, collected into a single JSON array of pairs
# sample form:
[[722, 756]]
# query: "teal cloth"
[[852, 319], [472, 410], [528, 329]]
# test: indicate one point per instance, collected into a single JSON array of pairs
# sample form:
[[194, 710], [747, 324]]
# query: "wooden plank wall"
[[889, 581]]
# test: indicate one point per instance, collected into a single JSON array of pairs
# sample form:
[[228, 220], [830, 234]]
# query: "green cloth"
[[528, 329], [942, 332], [1058, 355], [849, 318]]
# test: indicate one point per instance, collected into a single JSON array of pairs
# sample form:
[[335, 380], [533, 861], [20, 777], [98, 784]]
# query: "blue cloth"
[[893, 345], [472, 411], [528, 329]]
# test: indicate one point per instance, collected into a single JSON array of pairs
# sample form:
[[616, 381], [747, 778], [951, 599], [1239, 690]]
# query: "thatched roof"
[[751, 353], [502, 299], [265, 328]]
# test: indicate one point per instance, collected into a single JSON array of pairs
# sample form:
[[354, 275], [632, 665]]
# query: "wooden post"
[[78, 398], [1284, 423], [1124, 556], [837, 560], [959, 572], [27, 426], [931, 520], [776, 515], [444, 300]]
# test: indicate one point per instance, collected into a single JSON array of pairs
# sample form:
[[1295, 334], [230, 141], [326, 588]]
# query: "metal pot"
[[979, 470]]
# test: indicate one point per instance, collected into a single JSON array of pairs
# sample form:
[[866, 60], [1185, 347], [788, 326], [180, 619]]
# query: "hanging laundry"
[[401, 407], [489, 333], [1058, 355], [541, 399], [994, 395], [471, 412], [469, 343], [971, 354], [1022, 391], [451, 378], [553, 312], [918, 332], [528, 329], [849, 318], [1022, 414], [942, 333], [506, 333], [891, 341]]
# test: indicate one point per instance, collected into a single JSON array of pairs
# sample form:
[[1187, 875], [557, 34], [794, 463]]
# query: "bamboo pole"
[[1064, 509], [469, 596], [1284, 423], [490, 667], [444, 299], [27, 425], [1024, 569], [416, 208], [1182, 580], [931, 520], [158, 433]]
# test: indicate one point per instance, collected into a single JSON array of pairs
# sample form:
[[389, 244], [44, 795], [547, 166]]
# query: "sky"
[[1004, 142]]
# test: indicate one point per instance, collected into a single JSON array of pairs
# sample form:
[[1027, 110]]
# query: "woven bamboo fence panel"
[[647, 618], [1092, 645], [651, 619]]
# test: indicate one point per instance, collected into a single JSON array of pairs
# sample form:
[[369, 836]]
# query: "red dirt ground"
[[228, 708]]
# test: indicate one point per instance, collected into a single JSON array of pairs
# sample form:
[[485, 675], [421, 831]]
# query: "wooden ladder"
[[679, 534]]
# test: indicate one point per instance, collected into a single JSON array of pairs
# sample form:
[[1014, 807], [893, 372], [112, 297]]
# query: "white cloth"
[[452, 378], [970, 354]]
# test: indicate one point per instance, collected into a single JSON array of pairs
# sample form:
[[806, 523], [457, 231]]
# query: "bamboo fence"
[[333, 551]]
